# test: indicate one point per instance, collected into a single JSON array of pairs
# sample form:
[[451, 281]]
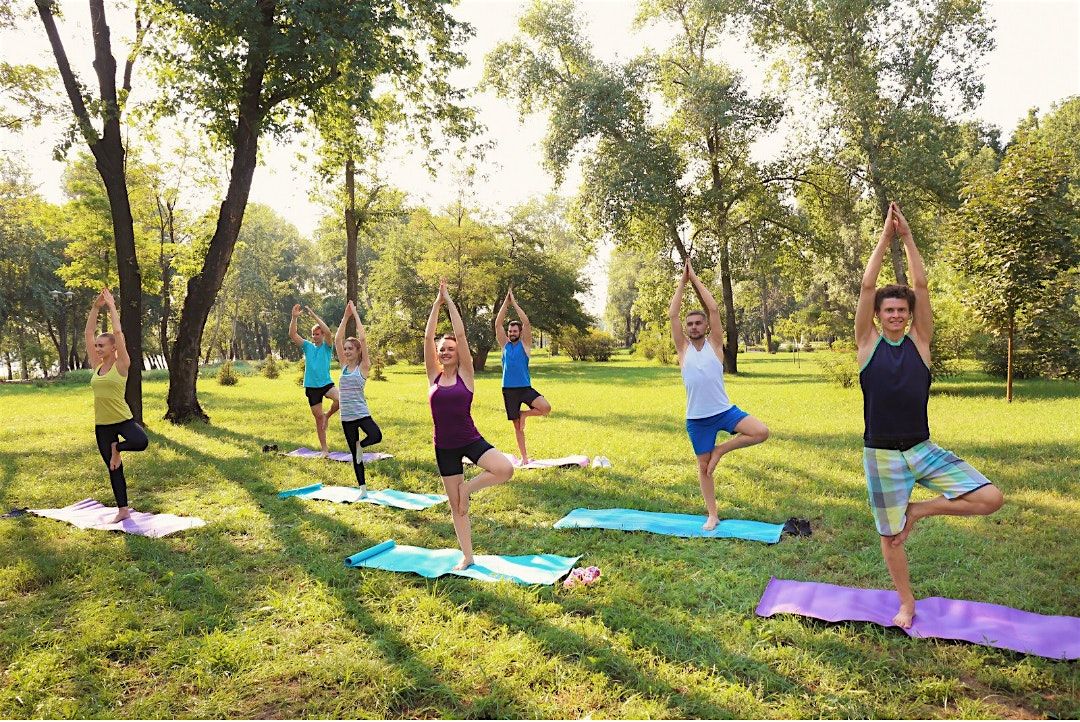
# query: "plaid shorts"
[[892, 474]]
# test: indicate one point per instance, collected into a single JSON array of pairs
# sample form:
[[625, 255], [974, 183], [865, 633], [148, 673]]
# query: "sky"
[[1036, 62]]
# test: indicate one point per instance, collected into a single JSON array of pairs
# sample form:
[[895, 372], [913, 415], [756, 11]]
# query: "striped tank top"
[[351, 394]]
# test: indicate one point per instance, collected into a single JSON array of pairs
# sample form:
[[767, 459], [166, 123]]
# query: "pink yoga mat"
[[92, 514], [991, 625], [369, 456], [560, 463]]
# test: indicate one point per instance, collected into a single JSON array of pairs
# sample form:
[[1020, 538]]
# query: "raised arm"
[[526, 327], [500, 321], [922, 322], [339, 337], [90, 334], [322, 324], [361, 336], [677, 334], [296, 338], [431, 356], [864, 312], [711, 308], [123, 361], [465, 360]]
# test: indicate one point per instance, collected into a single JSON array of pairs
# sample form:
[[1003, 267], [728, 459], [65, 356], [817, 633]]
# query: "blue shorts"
[[703, 431]]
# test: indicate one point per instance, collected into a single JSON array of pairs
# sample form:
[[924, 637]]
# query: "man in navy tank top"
[[894, 373], [516, 344], [708, 409]]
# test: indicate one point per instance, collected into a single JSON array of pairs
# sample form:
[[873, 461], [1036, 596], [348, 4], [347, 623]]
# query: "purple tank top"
[[451, 410]]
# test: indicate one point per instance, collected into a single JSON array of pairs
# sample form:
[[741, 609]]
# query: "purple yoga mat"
[[92, 514], [369, 456], [991, 625]]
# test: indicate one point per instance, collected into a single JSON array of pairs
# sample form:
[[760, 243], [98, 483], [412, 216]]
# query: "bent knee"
[[763, 434], [994, 499]]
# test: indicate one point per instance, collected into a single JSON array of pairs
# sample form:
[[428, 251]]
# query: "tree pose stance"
[[113, 419], [516, 344], [317, 381], [708, 409], [894, 374], [450, 391], [355, 416]]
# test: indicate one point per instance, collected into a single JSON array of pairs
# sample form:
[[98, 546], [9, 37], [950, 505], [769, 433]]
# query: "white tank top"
[[703, 374]]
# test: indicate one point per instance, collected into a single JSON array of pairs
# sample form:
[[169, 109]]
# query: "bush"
[[270, 368], [377, 363], [656, 343], [300, 365], [226, 376], [840, 369], [592, 345]]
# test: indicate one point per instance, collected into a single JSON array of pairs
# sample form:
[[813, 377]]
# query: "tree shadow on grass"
[[325, 564]]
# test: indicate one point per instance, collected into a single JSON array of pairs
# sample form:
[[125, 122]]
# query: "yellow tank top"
[[109, 404]]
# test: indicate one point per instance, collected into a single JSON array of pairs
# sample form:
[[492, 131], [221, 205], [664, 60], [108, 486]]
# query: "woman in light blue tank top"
[[355, 416]]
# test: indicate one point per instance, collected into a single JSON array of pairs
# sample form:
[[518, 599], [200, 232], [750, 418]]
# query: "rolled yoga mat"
[[369, 456], [351, 494], [682, 525], [990, 625], [432, 563], [92, 514]]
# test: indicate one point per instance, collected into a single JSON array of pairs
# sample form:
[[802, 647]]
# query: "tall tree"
[[253, 69], [888, 73], [107, 146], [1016, 233], [689, 177]]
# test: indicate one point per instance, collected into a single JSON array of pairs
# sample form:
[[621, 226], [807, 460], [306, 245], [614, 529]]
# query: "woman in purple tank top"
[[450, 392]]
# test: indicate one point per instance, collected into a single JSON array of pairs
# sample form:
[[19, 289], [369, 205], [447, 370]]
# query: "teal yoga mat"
[[431, 563], [683, 525], [351, 494]]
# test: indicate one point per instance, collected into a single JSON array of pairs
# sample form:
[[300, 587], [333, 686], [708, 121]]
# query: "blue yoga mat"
[[351, 494], [431, 563], [684, 525]]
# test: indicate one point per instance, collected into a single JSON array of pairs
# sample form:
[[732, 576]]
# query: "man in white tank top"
[[708, 409]]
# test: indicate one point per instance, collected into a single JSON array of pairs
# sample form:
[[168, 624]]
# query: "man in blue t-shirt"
[[516, 343], [317, 381]]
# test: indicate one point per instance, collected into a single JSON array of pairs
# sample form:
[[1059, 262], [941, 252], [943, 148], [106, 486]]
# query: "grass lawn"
[[254, 615]]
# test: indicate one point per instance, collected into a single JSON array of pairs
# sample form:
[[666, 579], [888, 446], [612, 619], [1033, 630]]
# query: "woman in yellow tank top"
[[112, 416]]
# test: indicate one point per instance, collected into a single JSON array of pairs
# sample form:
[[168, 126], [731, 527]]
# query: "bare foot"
[[463, 501], [525, 461], [114, 462], [713, 462], [465, 563], [905, 616], [325, 454], [909, 524], [122, 513], [710, 523]]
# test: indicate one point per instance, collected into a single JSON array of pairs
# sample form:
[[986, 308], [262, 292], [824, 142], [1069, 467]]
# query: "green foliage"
[[591, 345], [839, 368], [225, 375], [655, 343], [270, 367], [1016, 233]]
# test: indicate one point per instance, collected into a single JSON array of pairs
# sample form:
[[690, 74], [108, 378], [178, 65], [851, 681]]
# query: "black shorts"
[[515, 396], [315, 394], [449, 460]]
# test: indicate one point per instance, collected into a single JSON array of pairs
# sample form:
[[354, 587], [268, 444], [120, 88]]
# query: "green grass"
[[254, 615]]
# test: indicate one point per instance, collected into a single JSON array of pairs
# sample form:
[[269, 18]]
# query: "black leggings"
[[372, 435], [134, 440]]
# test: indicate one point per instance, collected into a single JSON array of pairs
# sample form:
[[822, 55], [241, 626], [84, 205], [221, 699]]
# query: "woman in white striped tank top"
[[355, 416]]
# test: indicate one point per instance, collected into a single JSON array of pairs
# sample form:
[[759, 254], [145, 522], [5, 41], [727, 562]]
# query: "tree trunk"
[[166, 280], [109, 156], [1009, 360], [766, 329], [731, 328], [7, 362], [481, 357], [351, 234], [183, 403]]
